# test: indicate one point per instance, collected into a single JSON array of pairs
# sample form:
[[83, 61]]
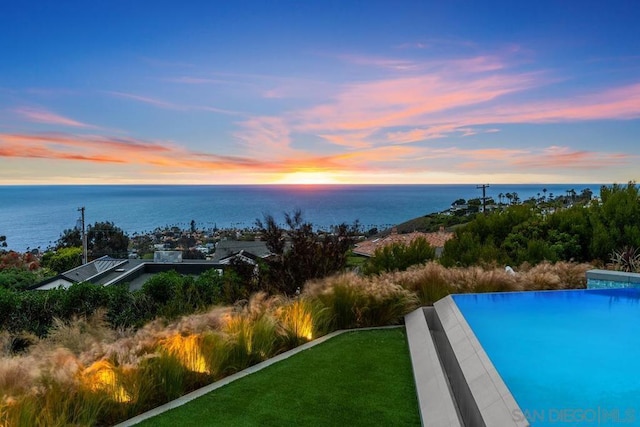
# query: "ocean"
[[35, 216]]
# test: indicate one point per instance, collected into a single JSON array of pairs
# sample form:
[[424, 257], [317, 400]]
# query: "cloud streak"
[[172, 106], [39, 115]]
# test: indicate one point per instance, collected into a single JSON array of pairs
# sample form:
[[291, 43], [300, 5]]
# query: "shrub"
[[429, 282], [83, 299], [400, 256], [627, 259], [63, 259], [355, 302], [162, 287]]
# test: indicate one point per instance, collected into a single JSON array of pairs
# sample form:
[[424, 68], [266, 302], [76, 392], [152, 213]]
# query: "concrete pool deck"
[[456, 383]]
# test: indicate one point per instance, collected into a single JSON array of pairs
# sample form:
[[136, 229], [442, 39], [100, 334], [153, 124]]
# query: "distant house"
[[108, 271], [248, 251], [92, 272], [436, 240]]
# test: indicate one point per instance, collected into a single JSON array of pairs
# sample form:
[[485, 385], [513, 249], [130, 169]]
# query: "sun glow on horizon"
[[308, 178]]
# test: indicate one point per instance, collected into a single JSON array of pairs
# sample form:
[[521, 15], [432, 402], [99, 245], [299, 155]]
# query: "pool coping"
[[482, 396], [435, 399]]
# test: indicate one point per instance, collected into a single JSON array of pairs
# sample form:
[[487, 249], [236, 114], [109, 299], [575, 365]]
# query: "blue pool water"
[[568, 357]]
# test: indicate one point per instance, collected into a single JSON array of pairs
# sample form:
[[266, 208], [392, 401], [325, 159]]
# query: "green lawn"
[[357, 378]]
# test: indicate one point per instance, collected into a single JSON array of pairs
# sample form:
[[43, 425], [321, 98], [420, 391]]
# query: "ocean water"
[[35, 216], [568, 357]]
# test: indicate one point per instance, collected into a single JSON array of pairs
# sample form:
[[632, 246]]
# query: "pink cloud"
[[563, 157], [434, 132], [394, 64], [546, 159], [622, 103], [44, 116], [384, 154], [348, 139], [265, 134], [172, 106], [406, 101], [103, 149], [147, 100]]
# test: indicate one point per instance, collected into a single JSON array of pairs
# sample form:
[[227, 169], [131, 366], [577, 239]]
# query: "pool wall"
[[606, 279]]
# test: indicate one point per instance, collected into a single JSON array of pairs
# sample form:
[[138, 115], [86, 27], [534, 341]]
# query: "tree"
[[586, 194], [272, 234], [63, 259], [309, 255], [70, 238], [103, 238]]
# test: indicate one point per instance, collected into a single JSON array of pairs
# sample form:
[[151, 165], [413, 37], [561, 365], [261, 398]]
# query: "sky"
[[290, 92]]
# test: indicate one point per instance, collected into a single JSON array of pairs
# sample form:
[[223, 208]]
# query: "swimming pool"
[[568, 357]]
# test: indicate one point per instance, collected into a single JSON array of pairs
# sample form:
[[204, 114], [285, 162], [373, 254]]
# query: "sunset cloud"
[[564, 157], [410, 101], [173, 106], [101, 149], [348, 139], [147, 100], [39, 115], [264, 135]]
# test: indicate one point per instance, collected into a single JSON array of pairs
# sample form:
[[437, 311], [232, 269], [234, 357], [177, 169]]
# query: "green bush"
[[63, 259], [82, 299], [400, 256]]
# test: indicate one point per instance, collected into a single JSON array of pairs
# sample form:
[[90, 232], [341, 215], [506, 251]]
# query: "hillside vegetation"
[[531, 233]]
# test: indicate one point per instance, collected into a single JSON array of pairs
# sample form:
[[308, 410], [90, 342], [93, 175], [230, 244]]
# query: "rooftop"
[[368, 247]]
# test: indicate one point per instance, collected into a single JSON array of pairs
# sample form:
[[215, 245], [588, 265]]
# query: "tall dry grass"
[[301, 319], [432, 281], [354, 301]]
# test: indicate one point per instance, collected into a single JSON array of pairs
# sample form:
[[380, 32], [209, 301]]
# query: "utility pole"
[[84, 237], [484, 197]]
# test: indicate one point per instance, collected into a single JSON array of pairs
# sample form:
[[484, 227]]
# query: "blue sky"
[[319, 92]]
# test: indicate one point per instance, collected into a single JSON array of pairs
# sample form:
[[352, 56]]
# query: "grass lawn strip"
[[357, 378]]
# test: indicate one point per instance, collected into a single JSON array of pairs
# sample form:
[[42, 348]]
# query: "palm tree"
[[509, 196], [544, 190], [500, 197], [516, 198]]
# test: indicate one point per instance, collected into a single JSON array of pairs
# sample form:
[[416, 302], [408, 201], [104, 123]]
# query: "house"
[[436, 240], [248, 251], [107, 271], [92, 272]]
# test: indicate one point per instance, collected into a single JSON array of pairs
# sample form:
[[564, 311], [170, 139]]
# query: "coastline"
[[35, 216]]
